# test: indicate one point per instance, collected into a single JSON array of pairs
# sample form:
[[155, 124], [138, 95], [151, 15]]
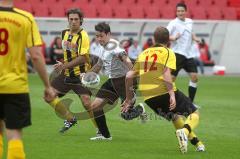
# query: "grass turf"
[[219, 128]]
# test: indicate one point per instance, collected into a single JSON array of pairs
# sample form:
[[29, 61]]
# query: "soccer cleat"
[[200, 148], [100, 138], [143, 116], [68, 125], [182, 140], [98, 133]]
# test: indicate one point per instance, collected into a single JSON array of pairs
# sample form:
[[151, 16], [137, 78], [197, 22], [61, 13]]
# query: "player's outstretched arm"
[[59, 67], [39, 65]]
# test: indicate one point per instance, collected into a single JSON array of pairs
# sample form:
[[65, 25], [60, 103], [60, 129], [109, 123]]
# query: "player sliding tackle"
[[153, 67]]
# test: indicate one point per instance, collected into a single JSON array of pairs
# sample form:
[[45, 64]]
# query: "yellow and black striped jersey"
[[150, 66], [18, 31], [73, 46]]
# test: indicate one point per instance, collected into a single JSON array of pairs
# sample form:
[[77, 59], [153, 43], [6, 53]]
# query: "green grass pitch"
[[219, 129]]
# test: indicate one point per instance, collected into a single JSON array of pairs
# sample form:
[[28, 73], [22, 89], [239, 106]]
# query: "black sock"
[[132, 113], [194, 141], [192, 91], [101, 123]]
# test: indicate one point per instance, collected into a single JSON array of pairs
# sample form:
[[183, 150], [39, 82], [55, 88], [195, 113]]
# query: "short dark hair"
[[103, 27], [76, 11], [161, 35], [181, 4]]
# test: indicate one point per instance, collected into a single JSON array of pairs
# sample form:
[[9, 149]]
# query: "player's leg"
[[106, 95], [1, 137], [2, 100], [186, 108], [17, 113], [191, 67], [178, 122], [57, 104], [134, 111], [192, 88], [15, 144], [86, 102], [99, 116]]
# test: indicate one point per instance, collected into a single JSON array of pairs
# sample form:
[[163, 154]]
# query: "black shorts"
[[113, 89], [15, 110], [160, 105], [189, 65], [64, 84]]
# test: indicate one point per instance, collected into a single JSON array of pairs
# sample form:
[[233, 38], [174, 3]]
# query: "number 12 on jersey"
[[150, 61]]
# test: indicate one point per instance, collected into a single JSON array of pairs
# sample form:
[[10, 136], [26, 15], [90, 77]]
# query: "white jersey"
[[184, 28], [195, 52], [112, 65]]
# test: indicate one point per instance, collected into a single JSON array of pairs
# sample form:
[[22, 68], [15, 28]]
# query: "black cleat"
[[68, 125]]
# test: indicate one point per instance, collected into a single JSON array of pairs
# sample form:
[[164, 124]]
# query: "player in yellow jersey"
[[154, 67], [75, 42], [18, 30]]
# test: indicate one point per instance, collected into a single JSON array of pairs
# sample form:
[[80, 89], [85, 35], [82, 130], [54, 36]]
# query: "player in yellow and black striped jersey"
[[75, 44], [154, 67], [18, 31]]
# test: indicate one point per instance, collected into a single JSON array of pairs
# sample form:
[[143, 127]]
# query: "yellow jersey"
[[73, 46], [150, 66], [18, 31]]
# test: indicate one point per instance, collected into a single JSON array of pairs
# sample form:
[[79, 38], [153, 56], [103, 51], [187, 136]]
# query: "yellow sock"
[[15, 150], [1, 146], [178, 123], [192, 120], [61, 109], [92, 118]]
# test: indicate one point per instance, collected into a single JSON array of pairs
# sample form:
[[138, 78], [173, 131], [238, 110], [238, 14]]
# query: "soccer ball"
[[90, 79]]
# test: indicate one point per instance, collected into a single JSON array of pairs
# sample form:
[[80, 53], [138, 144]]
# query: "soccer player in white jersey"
[[115, 64], [181, 36]]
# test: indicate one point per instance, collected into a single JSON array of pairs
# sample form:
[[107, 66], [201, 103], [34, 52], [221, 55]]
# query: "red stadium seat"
[[136, 12], [208, 3], [168, 12], [128, 3], [113, 2], [71, 5], [97, 2], [198, 13], [152, 12], [105, 11], [33, 1], [47, 2], [23, 6], [121, 12], [234, 3], [41, 10], [229, 13], [214, 13], [220, 3], [144, 3], [57, 10], [89, 11], [159, 3]]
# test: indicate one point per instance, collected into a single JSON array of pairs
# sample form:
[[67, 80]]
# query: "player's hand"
[[49, 94], [126, 105], [58, 67], [172, 102]]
